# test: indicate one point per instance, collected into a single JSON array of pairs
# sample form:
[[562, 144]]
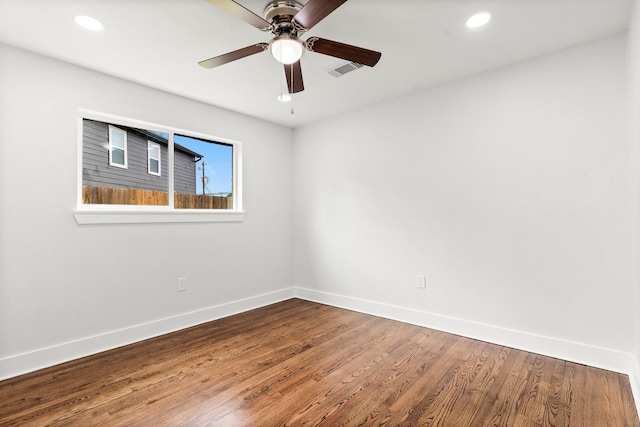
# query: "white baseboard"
[[28, 362], [572, 351]]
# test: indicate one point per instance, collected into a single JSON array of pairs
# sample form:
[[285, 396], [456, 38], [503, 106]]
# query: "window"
[[157, 169], [153, 157], [117, 147]]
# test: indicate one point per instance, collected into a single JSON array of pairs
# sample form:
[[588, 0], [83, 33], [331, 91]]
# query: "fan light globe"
[[286, 49]]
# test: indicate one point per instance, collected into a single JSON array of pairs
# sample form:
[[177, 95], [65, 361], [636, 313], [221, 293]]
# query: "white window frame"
[[138, 214], [150, 146], [112, 130]]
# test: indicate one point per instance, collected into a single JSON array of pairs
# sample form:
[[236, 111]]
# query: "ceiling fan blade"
[[343, 51], [293, 73], [242, 12], [315, 11], [232, 56]]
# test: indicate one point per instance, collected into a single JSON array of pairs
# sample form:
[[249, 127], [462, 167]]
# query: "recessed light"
[[479, 19], [89, 23]]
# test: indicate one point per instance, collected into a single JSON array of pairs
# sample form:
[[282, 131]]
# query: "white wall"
[[68, 290], [634, 135], [509, 191]]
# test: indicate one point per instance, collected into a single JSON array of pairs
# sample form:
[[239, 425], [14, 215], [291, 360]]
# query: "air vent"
[[343, 69]]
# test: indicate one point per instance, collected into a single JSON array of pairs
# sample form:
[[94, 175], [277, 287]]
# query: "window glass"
[[118, 165], [153, 151], [117, 147], [210, 184]]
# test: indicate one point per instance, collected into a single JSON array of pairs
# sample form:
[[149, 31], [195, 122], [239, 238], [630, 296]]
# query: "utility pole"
[[204, 178]]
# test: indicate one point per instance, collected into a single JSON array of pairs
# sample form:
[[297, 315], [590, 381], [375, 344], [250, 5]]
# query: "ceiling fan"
[[287, 20]]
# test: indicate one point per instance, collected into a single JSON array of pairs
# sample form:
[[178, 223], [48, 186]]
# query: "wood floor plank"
[[422, 390], [338, 385], [316, 365], [578, 384], [555, 403], [391, 380], [504, 394], [537, 410], [629, 408], [298, 363], [478, 393]]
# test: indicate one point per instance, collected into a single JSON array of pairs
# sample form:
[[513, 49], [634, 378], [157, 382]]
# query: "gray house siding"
[[184, 175], [96, 170]]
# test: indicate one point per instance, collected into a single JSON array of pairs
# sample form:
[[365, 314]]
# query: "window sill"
[[154, 217]]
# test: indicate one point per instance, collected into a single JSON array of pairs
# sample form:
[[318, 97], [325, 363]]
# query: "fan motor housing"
[[278, 11]]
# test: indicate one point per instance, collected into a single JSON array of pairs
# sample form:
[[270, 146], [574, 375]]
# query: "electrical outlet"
[[422, 282], [182, 284]]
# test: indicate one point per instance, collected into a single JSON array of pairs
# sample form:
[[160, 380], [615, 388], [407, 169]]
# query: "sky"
[[218, 164]]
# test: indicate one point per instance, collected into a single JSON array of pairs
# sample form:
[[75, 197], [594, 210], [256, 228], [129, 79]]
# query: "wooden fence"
[[198, 201], [94, 195]]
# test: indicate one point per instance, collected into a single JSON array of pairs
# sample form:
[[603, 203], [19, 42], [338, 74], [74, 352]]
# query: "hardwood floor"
[[300, 363]]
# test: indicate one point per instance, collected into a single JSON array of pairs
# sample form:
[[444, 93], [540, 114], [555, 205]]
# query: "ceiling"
[[158, 43]]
